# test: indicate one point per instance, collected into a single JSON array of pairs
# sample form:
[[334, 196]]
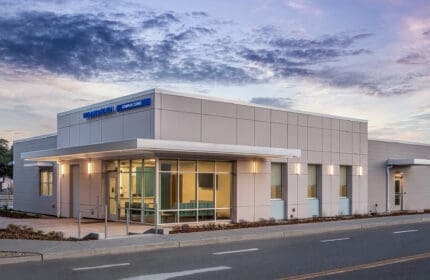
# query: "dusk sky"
[[367, 59]]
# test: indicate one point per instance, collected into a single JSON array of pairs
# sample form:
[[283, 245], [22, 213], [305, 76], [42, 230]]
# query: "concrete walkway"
[[45, 250], [70, 226]]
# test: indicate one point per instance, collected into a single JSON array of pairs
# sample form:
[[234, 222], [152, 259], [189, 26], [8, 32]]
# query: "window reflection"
[[193, 189]]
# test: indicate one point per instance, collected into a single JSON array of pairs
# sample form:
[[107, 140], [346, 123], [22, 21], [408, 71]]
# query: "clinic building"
[[167, 158]]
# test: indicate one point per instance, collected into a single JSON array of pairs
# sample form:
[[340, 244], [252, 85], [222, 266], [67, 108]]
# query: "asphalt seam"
[[357, 267]]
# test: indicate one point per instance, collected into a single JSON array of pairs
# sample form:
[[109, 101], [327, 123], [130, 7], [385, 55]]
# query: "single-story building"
[[171, 158]]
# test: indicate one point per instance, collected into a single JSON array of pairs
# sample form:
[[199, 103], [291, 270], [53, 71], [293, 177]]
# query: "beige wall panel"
[[216, 108], [262, 134], [180, 126], [279, 135], [218, 130], [245, 132]]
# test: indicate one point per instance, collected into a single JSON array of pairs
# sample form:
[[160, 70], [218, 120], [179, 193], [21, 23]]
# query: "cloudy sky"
[[367, 59]]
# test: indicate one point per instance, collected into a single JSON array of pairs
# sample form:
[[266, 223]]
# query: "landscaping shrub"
[[25, 232], [185, 228]]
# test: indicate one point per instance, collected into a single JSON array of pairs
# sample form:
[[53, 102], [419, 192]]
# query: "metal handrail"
[[91, 211]]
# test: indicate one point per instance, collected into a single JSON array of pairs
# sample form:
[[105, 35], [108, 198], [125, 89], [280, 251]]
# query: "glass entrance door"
[[398, 192], [113, 195]]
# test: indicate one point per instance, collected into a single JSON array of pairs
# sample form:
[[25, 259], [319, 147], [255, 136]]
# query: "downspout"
[[59, 183], [387, 207]]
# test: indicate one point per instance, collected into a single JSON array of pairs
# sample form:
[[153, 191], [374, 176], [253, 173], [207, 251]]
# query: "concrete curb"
[[12, 260], [110, 251], [168, 244]]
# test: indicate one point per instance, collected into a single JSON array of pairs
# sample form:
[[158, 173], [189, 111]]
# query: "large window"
[[343, 190], [312, 181], [135, 190], [276, 181], [192, 191], [45, 182]]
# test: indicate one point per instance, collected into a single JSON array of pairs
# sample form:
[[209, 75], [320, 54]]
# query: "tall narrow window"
[[312, 181], [276, 181], [343, 190], [45, 180]]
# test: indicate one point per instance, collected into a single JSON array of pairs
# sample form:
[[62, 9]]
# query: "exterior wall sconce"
[[297, 168], [330, 170], [62, 169], [89, 168], [254, 167], [360, 171]]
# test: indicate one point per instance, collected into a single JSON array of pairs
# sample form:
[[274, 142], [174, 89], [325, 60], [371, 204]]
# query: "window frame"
[[281, 181], [49, 183], [316, 182], [346, 168]]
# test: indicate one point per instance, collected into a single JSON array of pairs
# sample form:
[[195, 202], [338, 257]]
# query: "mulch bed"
[[25, 232], [186, 228], [18, 215]]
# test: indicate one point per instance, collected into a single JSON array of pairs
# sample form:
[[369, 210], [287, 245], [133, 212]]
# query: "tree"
[[6, 156]]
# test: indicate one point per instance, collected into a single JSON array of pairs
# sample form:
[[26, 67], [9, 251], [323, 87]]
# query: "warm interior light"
[[297, 168], [360, 171], [89, 168], [330, 170], [254, 167]]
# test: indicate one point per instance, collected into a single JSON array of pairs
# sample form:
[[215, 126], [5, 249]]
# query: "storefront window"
[[224, 186], [124, 166], [168, 191], [187, 191], [202, 191], [343, 190], [46, 182], [111, 166], [312, 181], [168, 165], [276, 181]]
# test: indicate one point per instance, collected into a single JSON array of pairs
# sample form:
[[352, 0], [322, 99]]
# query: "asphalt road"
[[398, 252]]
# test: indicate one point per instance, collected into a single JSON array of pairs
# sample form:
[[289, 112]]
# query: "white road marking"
[[405, 231], [100, 267], [164, 276], [332, 240], [237, 251]]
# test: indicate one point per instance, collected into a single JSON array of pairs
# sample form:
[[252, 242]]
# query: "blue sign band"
[[119, 108], [98, 112], [133, 105]]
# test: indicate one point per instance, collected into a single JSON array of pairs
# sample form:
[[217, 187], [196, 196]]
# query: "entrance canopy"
[[408, 162], [153, 147]]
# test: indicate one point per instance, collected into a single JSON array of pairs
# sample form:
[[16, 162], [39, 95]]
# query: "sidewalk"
[[46, 250], [69, 226]]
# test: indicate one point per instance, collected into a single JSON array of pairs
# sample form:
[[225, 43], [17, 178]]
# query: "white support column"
[[387, 207], [157, 195], [59, 183]]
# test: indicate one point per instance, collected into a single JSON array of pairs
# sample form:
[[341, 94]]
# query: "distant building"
[[6, 183], [180, 158]]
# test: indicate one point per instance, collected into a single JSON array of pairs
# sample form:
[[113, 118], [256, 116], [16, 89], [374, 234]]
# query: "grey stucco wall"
[[75, 130], [416, 178], [26, 179]]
